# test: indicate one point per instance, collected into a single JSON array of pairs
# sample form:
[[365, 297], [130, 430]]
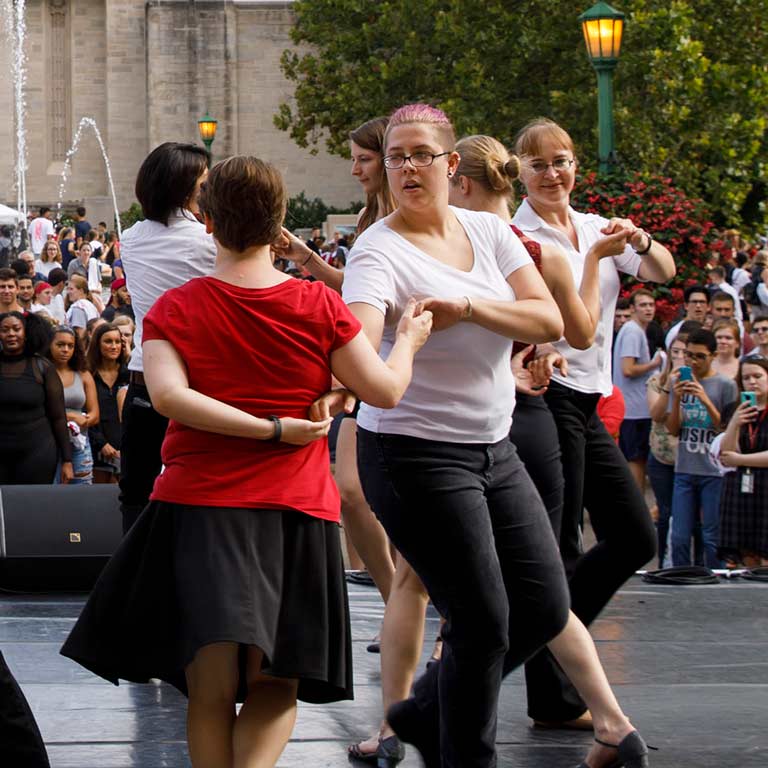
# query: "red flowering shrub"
[[682, 224]]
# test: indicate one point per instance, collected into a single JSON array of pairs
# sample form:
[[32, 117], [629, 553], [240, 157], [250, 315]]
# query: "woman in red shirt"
[[231, 584]]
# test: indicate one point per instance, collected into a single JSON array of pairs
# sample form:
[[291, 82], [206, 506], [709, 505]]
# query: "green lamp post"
[[207, 128], [603, 27]]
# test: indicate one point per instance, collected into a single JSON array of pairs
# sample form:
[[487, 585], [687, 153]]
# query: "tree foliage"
[[691, 91], [304, 212]]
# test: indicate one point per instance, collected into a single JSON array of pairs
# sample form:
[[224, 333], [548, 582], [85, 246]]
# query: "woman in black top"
[[107, 358], [33, 419]]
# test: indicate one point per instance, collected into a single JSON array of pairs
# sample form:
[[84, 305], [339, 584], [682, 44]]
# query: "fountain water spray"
[[15, 23], [87, 122]]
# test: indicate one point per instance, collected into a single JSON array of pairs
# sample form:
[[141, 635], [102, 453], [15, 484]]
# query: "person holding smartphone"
[[696, 402], [744, 523]]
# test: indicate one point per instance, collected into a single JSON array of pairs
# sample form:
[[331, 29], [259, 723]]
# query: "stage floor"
[[689, 665]]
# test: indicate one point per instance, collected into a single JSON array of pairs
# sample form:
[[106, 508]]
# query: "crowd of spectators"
[[685, 393], [64, 352]]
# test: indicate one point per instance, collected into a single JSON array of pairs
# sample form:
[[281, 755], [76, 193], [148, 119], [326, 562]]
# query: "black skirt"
[[186, 576]]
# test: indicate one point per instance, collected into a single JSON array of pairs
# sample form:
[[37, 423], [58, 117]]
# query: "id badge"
[[747, 482]]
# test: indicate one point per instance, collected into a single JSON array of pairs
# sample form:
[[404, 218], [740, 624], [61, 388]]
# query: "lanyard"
[[753, 429]]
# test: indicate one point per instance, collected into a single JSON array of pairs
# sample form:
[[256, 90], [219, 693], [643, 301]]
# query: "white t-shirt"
[[739, 278], [56, 308], [46, 267], [39, 231], [631, 341], [589, 370], [157, 258], [462, 390], [80, 313]]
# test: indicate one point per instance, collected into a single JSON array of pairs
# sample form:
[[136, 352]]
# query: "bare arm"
[[578, 320], [92, 414], [580, 311], [657, 265], [533, 318], [169, 389], [657, 404], [290, 247], [756, 460], [632, 369], [358, 366], [320, 269]]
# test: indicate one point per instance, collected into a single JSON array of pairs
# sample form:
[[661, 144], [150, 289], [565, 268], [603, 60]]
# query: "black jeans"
[[140, 462], [469, 521], [596, 477], [20, 741]]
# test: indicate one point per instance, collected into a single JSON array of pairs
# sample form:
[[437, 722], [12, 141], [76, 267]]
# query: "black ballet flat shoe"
[[387, 755], [633, 752], [413, 727]]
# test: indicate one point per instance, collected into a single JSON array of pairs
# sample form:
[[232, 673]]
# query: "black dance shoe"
[[387, 755], [632, 752], [412, 726]]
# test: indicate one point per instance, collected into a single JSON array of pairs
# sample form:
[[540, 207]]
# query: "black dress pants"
[[596, 477], [534, 434], [21, 744], [140, 461], [470, 523]]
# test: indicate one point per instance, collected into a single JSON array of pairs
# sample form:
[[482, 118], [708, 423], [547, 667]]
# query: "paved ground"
[[689, 664]]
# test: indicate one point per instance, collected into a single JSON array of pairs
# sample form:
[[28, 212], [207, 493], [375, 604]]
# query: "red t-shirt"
[[266, 351]]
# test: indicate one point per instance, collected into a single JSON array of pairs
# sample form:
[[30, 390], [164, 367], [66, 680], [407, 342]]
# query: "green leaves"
[[691, 88]]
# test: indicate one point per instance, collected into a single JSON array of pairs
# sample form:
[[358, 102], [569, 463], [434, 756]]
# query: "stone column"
[[59, 81]]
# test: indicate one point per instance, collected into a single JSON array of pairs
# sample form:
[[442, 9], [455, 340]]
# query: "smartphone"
[[686, 374], [749, 397]]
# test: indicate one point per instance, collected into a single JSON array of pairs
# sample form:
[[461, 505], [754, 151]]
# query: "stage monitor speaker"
[[56, 538]]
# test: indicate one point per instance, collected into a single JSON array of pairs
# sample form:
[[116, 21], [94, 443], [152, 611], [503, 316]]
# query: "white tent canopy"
[[9, 216]]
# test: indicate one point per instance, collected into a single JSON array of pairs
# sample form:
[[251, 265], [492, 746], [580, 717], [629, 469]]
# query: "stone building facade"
[[146, 72]]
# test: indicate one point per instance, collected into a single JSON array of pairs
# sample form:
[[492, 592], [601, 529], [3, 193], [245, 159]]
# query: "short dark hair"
[[622, 303], [167, 178], [103, 224], [741, 258], [689, 326], [94, 348], [759, 318], [80, 211], [20, 267], [246, 199], [56, 276], [705, 338], [691, 289], [6, 273], [25, 277], [640, 292], [719, 271], [92, 235], [44, 210], [723, 296]]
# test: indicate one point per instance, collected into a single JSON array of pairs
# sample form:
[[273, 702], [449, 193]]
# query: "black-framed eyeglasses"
[[761, 329], [418, 160], [559, 164], [701, 356]]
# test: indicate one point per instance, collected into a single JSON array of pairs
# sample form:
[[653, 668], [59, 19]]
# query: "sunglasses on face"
[[700, 356]]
